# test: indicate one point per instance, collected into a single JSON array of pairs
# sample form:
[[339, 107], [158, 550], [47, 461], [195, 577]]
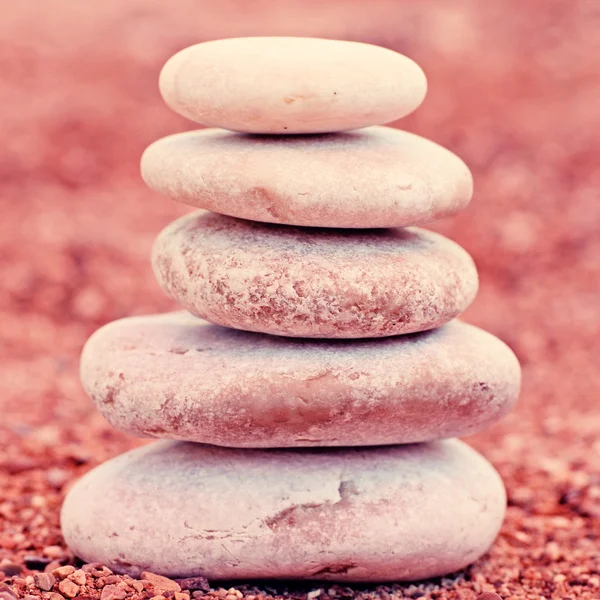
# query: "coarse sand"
[[512, 90]]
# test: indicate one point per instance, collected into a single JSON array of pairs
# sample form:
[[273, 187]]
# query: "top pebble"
[[288, 85]]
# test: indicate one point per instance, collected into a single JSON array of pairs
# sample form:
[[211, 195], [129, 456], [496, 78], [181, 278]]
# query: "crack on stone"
[[319, 376], [155, 431], [346, 490], [264, 197], [109, 398], [335, 569], [287, 516], [169, 398], [178, 350], [124, 566], [237, 560], [113, 390], [214, 534]]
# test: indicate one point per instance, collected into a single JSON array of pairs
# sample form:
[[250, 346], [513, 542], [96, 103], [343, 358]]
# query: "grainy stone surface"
[[390, 513], [317, 283], [149, 376], [291, 85], [391, 178]]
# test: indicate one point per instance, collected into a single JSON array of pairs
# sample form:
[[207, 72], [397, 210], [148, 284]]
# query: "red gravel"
[[513, 90]]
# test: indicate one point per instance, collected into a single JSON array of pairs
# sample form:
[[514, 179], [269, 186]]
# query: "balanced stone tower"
[[308, 395]]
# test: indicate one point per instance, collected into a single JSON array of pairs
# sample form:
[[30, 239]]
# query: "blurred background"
[[514, 89]]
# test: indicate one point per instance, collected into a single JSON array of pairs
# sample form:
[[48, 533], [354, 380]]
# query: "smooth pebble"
[[387, 514], [176, 376], [373, 177], [291, 84]]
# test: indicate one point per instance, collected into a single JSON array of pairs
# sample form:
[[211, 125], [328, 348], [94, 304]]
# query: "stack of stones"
[[307, 415]]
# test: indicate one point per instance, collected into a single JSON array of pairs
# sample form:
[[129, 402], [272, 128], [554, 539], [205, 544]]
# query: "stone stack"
[[308, 412]]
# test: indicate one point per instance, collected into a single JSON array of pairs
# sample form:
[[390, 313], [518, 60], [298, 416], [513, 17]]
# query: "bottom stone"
[[392, 513]]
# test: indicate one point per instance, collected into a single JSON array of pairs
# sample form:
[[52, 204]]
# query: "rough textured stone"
[[392, 513], [291, 85], [373, 177], [318, 283], [44, 581], [148, 376]]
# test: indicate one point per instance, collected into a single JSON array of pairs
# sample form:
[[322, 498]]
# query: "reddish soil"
[[513, 90]]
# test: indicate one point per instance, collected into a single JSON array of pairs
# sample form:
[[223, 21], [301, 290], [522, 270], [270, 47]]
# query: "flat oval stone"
[[374, 177], [291, 85], [385, 514], [175, 376], [316, 283]]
